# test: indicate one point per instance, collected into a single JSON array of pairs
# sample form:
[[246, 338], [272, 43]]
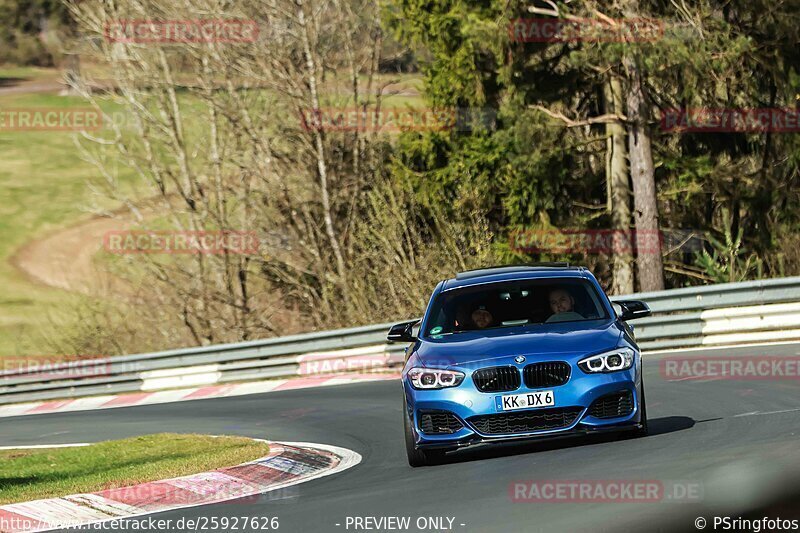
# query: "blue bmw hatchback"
[[521, 352]]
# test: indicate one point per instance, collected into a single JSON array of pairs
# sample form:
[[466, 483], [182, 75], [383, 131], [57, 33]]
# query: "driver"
[[562, 304]]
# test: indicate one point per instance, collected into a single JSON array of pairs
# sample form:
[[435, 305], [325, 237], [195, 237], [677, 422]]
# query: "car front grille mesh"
[[550, 374], [496, 379], [526, 421], [612, 405], [438, 422]]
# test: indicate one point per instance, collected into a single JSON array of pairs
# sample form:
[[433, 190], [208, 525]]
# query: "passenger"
[[482, 318]]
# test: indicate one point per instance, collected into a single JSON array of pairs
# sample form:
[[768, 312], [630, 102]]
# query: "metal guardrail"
[[696, 316], [681, 317]]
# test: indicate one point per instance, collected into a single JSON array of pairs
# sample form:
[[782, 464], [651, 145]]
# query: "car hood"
[[546, 340]]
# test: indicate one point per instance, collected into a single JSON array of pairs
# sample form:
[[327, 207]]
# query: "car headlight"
[[613, 361], [432, 378]]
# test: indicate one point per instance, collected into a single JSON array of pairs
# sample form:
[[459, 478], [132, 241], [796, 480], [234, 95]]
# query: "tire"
[[417, 457]]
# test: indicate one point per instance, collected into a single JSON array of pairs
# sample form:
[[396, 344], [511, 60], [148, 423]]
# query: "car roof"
[[514, 272]]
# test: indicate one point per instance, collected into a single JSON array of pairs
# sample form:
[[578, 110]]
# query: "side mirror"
[[632, 309], [402, 332]]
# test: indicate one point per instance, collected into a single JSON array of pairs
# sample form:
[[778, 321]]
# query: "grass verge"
[[43, 187], [52, 472]]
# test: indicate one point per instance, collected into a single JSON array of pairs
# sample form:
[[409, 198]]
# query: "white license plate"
[[543, 398]]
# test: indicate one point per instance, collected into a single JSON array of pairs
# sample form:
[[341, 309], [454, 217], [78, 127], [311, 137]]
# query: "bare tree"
[[228, 135]]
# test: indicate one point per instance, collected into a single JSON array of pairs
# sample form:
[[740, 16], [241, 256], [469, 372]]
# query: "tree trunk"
[[618, 191], [648, 240]]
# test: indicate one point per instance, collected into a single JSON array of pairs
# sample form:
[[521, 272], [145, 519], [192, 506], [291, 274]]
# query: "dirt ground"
[[64, 258]]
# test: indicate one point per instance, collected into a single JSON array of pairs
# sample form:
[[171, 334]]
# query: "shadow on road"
[[668, 424]]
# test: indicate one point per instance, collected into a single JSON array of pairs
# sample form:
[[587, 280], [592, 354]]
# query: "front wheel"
[[418, 457]]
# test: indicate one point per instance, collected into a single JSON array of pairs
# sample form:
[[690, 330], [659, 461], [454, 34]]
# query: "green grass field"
[[44, 473], [44, 188], [28, 73]]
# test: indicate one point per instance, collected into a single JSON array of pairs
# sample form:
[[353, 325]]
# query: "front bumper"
[[580, 392]]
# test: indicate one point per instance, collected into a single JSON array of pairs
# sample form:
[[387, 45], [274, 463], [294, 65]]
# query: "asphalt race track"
[[736, 440]]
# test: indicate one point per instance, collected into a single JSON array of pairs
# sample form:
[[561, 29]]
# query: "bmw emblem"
[[519, 359]]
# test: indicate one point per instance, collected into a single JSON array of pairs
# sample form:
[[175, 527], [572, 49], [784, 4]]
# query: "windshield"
[[516, 303]]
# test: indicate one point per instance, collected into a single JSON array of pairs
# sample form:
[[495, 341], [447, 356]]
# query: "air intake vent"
[[526, 421], [612, 405], [438, 422]]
